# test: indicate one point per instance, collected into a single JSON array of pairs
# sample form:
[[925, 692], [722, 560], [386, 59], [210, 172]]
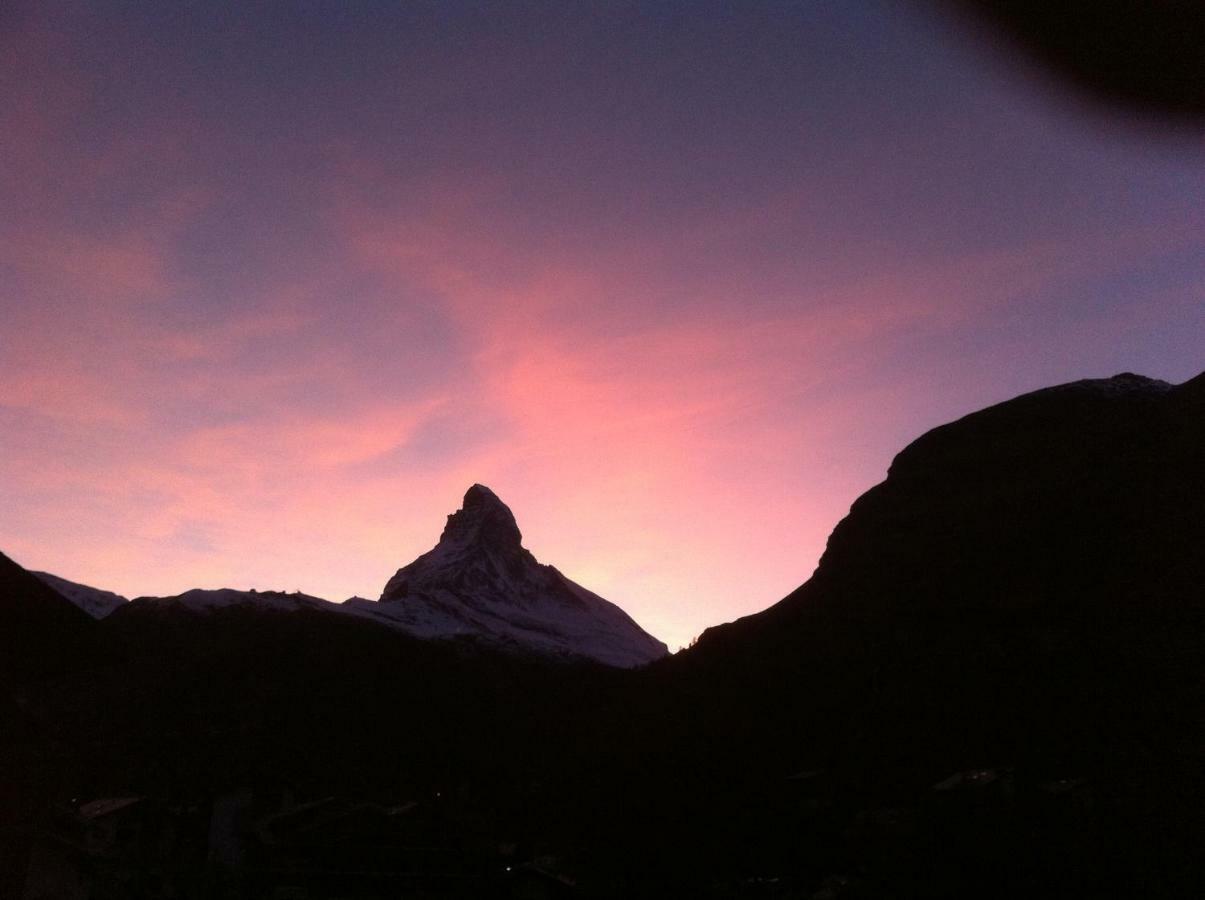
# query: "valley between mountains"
[[992, 685]]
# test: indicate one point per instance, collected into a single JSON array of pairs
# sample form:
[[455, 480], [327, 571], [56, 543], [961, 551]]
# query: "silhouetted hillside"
[[1023, 594], [40, 630], [1027, 581], [991, 686]]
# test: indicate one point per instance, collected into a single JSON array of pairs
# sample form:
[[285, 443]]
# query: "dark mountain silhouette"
[[1027, 580], [39, 628], [991, 686], [1022, 594]]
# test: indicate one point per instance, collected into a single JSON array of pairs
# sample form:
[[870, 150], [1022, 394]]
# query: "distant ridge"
[[478, 584], [93, 601]]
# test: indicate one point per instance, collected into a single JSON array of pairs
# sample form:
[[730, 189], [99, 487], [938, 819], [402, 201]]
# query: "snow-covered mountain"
[[480, 581], [200, 600], [93, 601]]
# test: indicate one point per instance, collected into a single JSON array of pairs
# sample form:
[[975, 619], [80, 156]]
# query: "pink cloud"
[[678, 408]]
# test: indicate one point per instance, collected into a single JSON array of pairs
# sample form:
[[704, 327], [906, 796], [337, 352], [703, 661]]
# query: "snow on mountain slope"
[[480, 581], [93, 601], [200, 600]]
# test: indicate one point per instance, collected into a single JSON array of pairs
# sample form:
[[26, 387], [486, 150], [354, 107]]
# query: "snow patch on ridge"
[[200, 600], [93, 601]]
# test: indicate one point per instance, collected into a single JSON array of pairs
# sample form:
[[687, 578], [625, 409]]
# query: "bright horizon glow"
[[676, 282]]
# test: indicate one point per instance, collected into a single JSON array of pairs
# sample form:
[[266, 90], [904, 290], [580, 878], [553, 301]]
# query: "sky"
[[278, 283]]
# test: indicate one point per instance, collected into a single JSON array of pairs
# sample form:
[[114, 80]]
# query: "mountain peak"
[[480, 582], [479, 493], [482, 519]]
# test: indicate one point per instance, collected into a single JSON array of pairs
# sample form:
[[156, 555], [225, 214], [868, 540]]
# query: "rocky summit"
[[480, 582]]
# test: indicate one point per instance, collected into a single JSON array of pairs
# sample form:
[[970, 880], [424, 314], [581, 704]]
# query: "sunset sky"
[[675, 280]]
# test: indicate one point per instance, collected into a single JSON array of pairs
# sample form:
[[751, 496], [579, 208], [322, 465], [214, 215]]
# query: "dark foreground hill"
[[992, 686], [1028, 580], [1023, 595], [41, 629]]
